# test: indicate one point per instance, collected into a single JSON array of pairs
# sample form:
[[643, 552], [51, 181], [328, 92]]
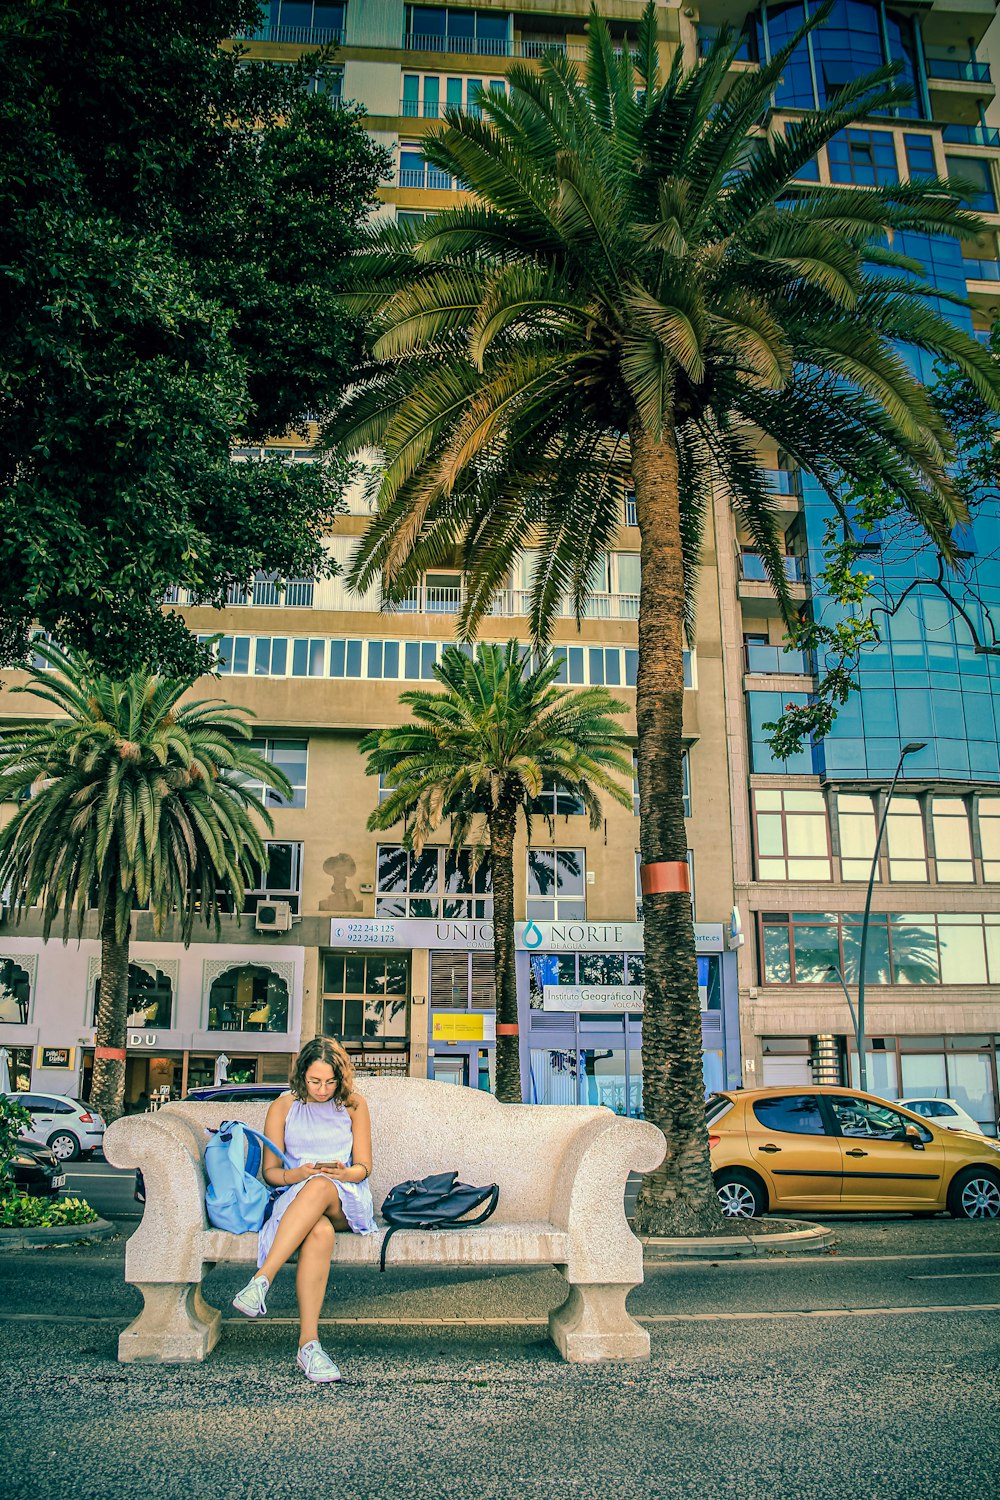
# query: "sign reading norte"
[[529, 937]]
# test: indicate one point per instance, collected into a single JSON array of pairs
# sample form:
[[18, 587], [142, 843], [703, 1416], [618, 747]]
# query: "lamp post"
[[909, 749]]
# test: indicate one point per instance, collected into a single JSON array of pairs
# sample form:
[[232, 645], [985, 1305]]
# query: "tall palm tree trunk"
[[502, 826], [678, 1198], [107, 1089]]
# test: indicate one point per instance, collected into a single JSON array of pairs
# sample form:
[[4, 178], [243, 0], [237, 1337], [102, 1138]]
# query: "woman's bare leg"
[[317, 1200], [311, 1276]]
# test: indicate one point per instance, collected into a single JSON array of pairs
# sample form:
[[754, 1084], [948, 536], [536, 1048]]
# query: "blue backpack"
[[235, 1199]]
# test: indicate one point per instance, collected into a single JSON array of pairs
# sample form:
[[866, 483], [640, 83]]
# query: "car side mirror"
[[911, 1133]]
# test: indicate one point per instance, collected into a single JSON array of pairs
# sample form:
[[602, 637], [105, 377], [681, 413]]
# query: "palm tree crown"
[[639, 260], [129, 799], [489, 742], [479, 753]]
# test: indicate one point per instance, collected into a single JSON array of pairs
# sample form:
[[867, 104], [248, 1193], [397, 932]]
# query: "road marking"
[[817, 1258], [951, 1275], [764, 1315]]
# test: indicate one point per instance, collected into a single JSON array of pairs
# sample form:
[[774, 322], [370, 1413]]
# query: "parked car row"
[[69, 1128], [35, 1170], [828, 1150]]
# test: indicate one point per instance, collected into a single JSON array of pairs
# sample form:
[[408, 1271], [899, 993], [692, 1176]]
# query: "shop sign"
[[463, 1026], [142, 1039], [529, 937], [56, 1057], [593, 997]]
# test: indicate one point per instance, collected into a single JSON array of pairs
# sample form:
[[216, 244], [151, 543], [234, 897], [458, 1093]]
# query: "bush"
[[14, 1119], [19, 1211]]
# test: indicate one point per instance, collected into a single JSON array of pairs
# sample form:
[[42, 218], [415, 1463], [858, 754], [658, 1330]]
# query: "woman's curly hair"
[[323, 1049]]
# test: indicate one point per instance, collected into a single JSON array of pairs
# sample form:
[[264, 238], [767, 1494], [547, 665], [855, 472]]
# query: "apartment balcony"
[[528, 48], [752, 568], [777, 661], [427, 178], [954, 70], [297, 36], [513, 603], [971, 135]]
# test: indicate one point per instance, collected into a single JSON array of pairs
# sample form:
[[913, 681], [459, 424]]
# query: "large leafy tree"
[[641, 285], [173, 218], [477, 755], [127, 798]]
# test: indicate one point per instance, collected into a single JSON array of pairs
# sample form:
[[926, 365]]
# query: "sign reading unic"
[[529, 937]]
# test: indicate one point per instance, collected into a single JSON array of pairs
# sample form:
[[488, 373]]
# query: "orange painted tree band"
[[112, 1054], [667, 875], [506, 1028]]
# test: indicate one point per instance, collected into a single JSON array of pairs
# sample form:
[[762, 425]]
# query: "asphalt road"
[[107, 1189], [870, 1372]]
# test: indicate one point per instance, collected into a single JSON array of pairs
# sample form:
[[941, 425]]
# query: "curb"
[[57, 1235], [803, 1239]]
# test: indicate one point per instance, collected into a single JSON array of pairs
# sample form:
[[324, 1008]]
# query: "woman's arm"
[[361, 1145], [274, 1173]]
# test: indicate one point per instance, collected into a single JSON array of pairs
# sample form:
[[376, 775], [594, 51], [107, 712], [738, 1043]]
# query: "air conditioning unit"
[[273, 916]]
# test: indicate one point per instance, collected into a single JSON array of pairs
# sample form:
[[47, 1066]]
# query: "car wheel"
[[64, 1147], [740, 1195], [975, 1194]]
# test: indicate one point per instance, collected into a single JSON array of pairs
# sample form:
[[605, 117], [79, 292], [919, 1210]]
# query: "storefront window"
[[463, 981], [556, 885], [150, 999], [15, 992], [248, 997], [365, 995]]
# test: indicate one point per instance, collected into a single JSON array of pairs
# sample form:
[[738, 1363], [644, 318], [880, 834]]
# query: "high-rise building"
[[393, 953]]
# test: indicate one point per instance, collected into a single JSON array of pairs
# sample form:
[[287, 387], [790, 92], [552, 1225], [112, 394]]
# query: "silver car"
[[69, 1128]]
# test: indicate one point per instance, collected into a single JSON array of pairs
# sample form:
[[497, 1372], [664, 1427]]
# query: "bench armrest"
[[167, 1149], [588, 1199]]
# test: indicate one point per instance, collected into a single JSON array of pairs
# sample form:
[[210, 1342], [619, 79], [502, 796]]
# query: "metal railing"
[[476, 46], [428, 109], [971, 135], [752, 568], [434, 599], [776, 659], [960, 72], [303, 36], [429, 177]]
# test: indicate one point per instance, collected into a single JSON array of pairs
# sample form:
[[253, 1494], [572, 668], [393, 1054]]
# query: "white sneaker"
[[316, 1364], [251, 1299]]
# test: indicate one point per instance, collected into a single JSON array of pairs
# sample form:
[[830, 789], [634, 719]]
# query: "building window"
[[952, 839], [416, 172], [307, 21], [556, 801], [920, 156], [440, 28], [248, 997], [976, 174], [989, 836], [290, 756], [15, 993], [283, 881], [463, 981], [866, 158], [435, 883], [150, 999], [904, 834], [856, 826], [924, 949], [365, 995], [426, 96], [556, 885], [767, 708], [793, 836]]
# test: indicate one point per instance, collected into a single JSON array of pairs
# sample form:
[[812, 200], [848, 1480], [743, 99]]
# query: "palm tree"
[[478, 754], [128, 799], [639, 288]]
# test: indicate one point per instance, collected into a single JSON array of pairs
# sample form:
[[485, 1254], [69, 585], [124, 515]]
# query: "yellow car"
[[834, 1149]]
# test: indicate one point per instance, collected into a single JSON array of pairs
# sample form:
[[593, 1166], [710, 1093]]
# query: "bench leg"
[[593, 1324], [176, 1326]]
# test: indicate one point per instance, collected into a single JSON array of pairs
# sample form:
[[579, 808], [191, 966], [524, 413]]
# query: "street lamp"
[[910, 749]]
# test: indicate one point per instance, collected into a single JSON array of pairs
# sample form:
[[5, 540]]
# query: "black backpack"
[[437, 1202]]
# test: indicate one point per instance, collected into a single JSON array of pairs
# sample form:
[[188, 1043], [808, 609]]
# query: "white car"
[[63, 1124], [943, 1112]]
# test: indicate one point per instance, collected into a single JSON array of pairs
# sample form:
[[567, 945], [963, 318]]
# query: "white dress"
[[320, 1132]]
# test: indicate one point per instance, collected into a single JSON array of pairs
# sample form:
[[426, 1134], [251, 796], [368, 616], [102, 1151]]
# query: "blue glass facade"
[[858, 38]]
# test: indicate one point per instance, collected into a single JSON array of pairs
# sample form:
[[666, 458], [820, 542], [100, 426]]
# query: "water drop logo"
[[532, 937]]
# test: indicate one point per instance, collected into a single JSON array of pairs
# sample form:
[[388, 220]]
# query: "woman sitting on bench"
[[323, 1125]]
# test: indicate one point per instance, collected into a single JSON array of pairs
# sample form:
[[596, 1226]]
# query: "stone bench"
[[561, 1170]]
